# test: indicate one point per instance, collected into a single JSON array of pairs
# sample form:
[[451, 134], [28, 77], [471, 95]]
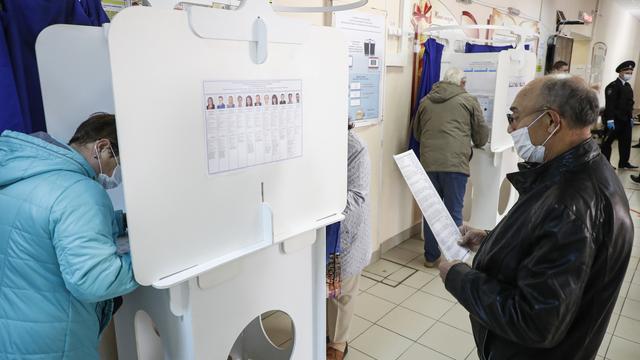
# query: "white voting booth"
[[224, 225], [495, 79]]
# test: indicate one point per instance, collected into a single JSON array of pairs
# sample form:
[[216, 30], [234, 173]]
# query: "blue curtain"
[[475, 48], [21, 21], [431, 61]]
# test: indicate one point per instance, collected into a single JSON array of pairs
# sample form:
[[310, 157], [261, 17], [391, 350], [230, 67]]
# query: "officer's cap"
[[627, 65]]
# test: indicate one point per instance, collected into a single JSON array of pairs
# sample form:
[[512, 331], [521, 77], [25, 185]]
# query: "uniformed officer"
[[618, 114]]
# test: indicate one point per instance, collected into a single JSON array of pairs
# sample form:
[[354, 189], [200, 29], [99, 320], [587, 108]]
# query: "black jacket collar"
[[531, 175]]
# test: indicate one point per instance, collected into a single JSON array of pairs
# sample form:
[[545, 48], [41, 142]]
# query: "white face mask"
[[626, 77], [109, 182], [525, 149]]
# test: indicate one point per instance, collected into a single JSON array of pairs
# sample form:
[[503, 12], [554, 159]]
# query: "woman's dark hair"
[[97, 126], [559, 65]]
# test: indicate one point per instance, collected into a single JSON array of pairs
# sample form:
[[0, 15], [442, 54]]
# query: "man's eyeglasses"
[[511, 118]]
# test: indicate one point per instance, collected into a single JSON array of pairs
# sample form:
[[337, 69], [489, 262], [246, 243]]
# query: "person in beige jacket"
[[448, 123]]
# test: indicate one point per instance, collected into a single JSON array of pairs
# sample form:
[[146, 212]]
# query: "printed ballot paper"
[[432, 207]]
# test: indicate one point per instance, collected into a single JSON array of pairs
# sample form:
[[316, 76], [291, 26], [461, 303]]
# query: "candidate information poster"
[[249, 123], [365, 34], [481, 83]]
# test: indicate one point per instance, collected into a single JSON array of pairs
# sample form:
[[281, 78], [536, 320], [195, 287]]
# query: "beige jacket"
[[448, 121]]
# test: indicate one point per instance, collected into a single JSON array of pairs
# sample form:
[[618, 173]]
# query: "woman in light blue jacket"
[[58, 262]]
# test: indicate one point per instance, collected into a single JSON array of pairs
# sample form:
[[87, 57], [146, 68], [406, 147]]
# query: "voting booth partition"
[[226, 196], [495, 79]]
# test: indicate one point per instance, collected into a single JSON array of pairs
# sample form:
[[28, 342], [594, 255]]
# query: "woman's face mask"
[[527, 150], [109, 182]]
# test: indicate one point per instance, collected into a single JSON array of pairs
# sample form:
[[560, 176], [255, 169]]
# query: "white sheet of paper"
[[432, 207], [256, 133]]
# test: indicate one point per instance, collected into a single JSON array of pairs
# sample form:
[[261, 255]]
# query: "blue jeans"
[[451, 188]]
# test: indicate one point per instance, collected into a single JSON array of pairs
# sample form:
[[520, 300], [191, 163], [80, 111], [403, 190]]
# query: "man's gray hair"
[[571, 98], [454, 76]]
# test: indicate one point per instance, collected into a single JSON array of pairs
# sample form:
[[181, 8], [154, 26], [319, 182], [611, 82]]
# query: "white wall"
[[619, 30]]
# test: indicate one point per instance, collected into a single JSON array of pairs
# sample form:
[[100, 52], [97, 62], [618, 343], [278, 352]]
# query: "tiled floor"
[[404, 312]]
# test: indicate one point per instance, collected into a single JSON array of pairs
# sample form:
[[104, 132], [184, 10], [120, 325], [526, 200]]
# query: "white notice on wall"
[[365, 35], [516, 83], [481, 83], [250, 123], [432, 207]]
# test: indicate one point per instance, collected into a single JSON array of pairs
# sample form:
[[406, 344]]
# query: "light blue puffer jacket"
[[58, 262]]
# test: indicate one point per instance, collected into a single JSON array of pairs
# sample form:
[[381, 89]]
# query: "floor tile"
[[473, 355], [372, 308], [278, 327], [458, 317], [365, 283], [635, 251], [402, 274], [418, 264], [381, 344], [414, 245], [427, 304], [621, 349], [395, 295], [611, 327], [631, 308], [419, 279], [448, 340], [419, 352], [624, 289], [436, 287], [628, 329], [628, 276], [636, 278], [358, 326], [372, 276], [604, 346], [287, 345], [354, 354], [400, 255], [382, 268], [618, 307], [407, 323], [390, 282], [634, 292]]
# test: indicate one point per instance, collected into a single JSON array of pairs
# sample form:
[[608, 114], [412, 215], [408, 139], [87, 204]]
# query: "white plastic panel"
[[511, 66], [75, 77], [516, 68], [179, 216]]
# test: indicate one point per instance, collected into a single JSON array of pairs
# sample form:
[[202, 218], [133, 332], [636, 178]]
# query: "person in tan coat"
[[449, 121]]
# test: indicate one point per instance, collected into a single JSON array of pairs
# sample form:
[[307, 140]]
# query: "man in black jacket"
[[545, 280], [618, 114]]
